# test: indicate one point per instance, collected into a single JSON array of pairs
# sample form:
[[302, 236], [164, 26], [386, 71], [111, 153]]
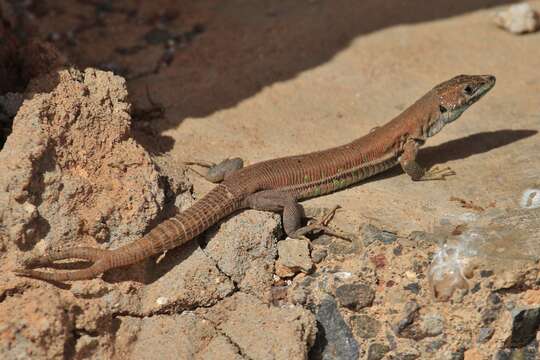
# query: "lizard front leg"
[[293, 212], [408, 163], [217, 172]]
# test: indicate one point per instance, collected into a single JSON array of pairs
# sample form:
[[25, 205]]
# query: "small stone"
[[377, 351], [485, 334], [486, 273], [283, 271], [410, 312], [341, 247], [518, 19], [334, 338], [397, 250], [413, 287], [475, 288], [494, 299], [294, 254], [365, 326], [435, 345], [371, 234], [525, 324], [432, 324], [355, 296], [488, 316], [318, 255], [323, 240]]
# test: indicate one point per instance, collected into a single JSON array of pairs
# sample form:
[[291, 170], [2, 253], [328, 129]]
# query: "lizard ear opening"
[[442, 109]]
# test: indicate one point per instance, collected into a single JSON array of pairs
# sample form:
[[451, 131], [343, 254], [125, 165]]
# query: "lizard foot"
[[321, 225], [436, 173], [97, 257], [216, 172]]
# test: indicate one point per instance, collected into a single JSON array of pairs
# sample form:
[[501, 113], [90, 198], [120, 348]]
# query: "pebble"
[[336, 340], [432, 324], [518, 19], [365, 326], [377, 351], [525, 324], [371, 234], [485, 334], [294, 254], [355, 296], [413, 287], [318, 255]]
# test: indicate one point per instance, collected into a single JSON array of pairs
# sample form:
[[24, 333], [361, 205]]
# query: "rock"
[[284, 272], [244, 248], [518, 19], [79, 186], [377, 351], [318, 255], [187, 278], [410, 313], [294, 254], [486, 273], [334, 338], [371, 234], [489, 315], [525, 324], [262, 332], [339, 248], [432, 324], [355, 296], [484, 334], [494, 299], [413, 287], [41, 329], [365, 326]]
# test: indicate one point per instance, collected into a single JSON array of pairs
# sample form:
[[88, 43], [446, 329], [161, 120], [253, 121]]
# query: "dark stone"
[[355, 296], [435, 345], [525, 324], [410, 314], [318, 255], [371, 234], [334, 338], [475, 288], [529, 352], [398, 250], [377, 351], [365, 326], [488, 316], [494, 299], [486, 273], [485, 334], [341, 247], [413, 287]]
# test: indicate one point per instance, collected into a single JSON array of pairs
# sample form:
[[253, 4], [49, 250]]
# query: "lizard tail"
[[169, 234]]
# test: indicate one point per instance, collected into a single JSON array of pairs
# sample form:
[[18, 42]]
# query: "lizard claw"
[[436, 173], [321, 225]]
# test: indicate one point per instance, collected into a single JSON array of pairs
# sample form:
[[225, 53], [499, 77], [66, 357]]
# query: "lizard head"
[[454, 96]]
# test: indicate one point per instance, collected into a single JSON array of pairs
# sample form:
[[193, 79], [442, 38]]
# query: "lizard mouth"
[[488, 84]]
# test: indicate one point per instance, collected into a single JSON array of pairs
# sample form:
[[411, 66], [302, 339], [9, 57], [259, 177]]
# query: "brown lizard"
[[278, 184]]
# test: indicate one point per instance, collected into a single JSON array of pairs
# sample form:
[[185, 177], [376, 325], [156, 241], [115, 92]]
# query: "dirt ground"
[[96, 159]]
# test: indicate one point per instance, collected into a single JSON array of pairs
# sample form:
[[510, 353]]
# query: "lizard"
[[279, 184]]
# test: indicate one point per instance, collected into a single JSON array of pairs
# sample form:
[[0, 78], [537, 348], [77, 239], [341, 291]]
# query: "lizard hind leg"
[[216, 173], [321, 225], [99, 263]]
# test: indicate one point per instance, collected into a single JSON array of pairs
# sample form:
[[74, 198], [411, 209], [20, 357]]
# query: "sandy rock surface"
[[101, 102]]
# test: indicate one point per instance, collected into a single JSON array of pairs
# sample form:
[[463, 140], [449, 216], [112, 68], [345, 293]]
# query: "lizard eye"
[[468, 90], [442, 109]]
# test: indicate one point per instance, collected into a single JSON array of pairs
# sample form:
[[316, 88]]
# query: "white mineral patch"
[[530, 199], [518, 19], [162, 300]]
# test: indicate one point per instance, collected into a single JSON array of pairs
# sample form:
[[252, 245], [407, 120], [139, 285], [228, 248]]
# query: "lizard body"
[[278, 184]]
